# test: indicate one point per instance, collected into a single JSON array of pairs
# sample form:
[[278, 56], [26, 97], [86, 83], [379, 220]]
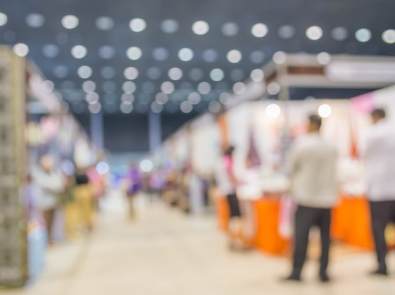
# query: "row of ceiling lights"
[[169, 26], [175, 74]]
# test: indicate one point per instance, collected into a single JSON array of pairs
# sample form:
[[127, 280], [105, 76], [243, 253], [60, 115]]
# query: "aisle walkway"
[[166, 253]]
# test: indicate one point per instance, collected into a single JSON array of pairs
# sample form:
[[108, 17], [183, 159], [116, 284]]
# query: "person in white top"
[[313, 183], [50, 184], [226, 185], [379, 156]]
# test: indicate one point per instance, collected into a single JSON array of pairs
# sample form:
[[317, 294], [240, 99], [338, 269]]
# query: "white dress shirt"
[[379, 156], [49, 186], [312, 169]]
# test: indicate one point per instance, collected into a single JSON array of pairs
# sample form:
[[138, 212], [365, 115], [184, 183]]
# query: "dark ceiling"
[[376, 15]]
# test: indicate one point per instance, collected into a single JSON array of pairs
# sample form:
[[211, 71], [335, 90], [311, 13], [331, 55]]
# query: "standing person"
[[314, 186], [50, 185], [379, 156], [134, 179], [84, 199], [226, 184]]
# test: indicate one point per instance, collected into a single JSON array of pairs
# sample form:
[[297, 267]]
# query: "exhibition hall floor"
[[165, 252]]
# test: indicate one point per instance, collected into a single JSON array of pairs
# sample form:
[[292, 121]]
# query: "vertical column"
[[97, 130], [155, 130]]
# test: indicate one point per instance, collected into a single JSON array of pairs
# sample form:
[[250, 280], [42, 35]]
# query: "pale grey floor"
[[164, 252]]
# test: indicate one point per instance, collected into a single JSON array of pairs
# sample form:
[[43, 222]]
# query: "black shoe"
[[291, 278], [379, 272], [324, 278]]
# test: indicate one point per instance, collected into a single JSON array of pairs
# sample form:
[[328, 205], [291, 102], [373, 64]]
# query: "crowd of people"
[[311, 168]]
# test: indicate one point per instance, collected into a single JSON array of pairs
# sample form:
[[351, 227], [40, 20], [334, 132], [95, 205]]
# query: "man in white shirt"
[[379, 156], [314, 187]]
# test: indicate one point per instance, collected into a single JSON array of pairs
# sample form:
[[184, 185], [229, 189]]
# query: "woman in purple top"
[[134, 179]]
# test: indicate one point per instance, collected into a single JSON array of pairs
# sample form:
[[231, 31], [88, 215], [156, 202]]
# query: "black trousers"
[[305, 219], [382, 213]]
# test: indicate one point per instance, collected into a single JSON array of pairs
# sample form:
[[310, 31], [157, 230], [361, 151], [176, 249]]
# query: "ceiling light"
[[200, 27], [3, 19], [324, 111], [153, 73], [210, 55], [126, 108], [196, 74], [134, 53], [108, 72], [217, 75], [160, 54], [167, 87], [161, 98], [127, 98], [286, 32], [204, 88], [257, 75], [131, 73], [60, 71], [279, 57], [137, 25], [169, 26], [104, 23], [324, 58], [50, 50], [389, 36], [339, 33], [156, 107], [230, 29], [186, 107], [363, 35], [194, 98], [106, 52], [185, 54], [239, 88], [234, 56], [89, 86], [314, 33], [95, 108], [70, 22], [259, 30], [273, 111], [79, 51], [257, 57], [102, 168], [92, 97], [84, 72], [21, 49], [175, 73], [214, 107], [35, 20], [273, 88], [129, 87]]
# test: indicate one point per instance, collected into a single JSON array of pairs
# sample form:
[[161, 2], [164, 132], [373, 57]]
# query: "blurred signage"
[[361, 71]]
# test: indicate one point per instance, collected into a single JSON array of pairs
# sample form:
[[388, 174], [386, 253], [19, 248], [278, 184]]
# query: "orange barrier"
[[222, 212], [266, 214], [351, 223], [267, 237]]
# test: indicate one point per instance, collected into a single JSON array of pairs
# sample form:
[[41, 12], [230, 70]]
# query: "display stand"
[[13, 245]]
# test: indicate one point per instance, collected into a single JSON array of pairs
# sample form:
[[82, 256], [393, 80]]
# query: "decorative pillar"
[[155, 130]]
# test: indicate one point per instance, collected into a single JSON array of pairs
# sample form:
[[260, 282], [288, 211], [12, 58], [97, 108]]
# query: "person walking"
[[226, 185], [379, 156], [50, 184], [314, 187]]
